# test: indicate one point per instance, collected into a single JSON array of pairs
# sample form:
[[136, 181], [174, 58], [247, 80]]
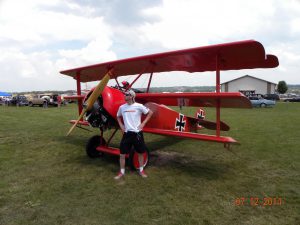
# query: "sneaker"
[[119, 176], [143, 174]]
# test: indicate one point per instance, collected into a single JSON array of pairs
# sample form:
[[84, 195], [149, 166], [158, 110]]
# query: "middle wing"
[[200, 99]]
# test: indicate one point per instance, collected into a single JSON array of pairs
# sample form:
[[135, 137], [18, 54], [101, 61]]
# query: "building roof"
[[248, 76]]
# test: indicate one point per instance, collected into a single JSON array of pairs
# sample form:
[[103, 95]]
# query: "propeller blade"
[[75, 124], [213, 126], [91, 100], [97, 91]]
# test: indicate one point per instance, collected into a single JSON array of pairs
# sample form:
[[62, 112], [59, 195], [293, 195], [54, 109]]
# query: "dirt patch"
[[159, 158]]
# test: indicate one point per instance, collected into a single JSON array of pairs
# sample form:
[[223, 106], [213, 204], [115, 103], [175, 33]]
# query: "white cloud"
[[40, 38], [94, 52], [33, 25], [192, 23], [295, 25]]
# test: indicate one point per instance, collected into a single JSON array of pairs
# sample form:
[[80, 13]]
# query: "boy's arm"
[[119, 118], [149, 115]]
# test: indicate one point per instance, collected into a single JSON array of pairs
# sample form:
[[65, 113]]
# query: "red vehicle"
[[102, 103]]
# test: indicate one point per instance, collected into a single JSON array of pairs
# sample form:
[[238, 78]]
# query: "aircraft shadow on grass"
[[190, 165]]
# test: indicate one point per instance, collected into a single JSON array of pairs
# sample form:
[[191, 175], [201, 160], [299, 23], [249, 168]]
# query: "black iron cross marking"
[[200, 115], [180, 123]]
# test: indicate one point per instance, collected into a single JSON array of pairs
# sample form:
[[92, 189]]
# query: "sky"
[[39, 38]]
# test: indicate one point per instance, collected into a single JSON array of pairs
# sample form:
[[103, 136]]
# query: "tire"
[[30, 104], [263, 105], [91, 146], [134, 162]]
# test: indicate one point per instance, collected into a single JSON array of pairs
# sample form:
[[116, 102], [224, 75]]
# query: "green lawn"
[[46, 177]]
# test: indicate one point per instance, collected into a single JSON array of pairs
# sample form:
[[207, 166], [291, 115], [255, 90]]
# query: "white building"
[[249, 85]]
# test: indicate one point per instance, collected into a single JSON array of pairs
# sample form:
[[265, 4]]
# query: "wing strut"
[[150, 79], [117, 82], [79, 101], [141, 73], [218, 105]]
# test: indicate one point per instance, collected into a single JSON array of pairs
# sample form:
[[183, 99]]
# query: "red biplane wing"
[[201, 99], [203, 137], [231, 56]]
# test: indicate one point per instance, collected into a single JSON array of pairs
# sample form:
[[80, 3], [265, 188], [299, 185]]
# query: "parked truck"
[[37, 101]]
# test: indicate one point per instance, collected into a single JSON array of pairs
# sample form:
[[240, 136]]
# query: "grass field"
[[46, 178]]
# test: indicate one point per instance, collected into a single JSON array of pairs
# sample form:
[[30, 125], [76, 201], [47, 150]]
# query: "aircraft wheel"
[[91, 146], [134, 159]]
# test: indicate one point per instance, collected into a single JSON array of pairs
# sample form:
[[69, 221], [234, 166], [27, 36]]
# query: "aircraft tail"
[[200, 115], [200, 122]]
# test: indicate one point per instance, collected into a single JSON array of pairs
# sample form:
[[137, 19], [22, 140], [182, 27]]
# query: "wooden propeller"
[[91, 100]]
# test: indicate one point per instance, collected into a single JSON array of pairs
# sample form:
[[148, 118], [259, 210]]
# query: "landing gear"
[[97, 146], [92, 144]]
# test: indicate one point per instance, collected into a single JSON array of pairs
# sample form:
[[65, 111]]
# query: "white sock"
[[141, 169], [123, 171]]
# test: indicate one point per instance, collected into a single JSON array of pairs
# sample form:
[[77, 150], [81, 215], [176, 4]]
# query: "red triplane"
[[102, 103]]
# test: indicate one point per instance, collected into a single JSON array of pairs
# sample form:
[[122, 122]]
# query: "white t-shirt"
[[132, 115]]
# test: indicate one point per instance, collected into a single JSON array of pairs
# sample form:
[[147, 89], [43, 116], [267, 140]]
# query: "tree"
[[282, 87]]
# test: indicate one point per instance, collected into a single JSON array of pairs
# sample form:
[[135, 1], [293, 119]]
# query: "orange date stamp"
[[256, 201]]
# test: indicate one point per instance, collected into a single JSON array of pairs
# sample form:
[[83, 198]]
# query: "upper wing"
[[204, 99], [231, 56]]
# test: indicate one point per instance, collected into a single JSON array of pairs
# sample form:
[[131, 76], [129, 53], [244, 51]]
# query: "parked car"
[[19, 100], [36, 101], [296, 99], [4, 100], [51, 98], [271, 97], [261, 102]]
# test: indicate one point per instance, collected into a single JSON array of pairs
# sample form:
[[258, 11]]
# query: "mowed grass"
[[46, 177]]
